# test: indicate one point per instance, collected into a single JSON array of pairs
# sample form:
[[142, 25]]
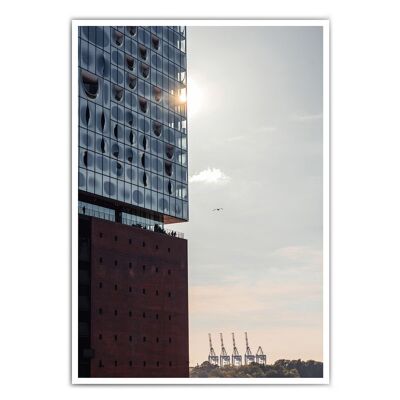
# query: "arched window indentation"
[[157, 128], [143, 160], [137, 197], [143, 52], [115, 150], [144, 142], [103, 146], [143, 105], [118, 92], [157, 94], [118, 38], [144, 70], [169, 151], [120, 170], [90, 84], [129, 155], [116, 131], [155, 42], [102, 121], [169, 187], [131, 137], [85, 158], [129, 117], [144, 179], [109, 188], [87, 116], [130, 62], [132, 81], [132, 30], [168, 168]]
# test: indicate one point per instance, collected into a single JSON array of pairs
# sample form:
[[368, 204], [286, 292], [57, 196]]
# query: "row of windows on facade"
[[130, 266], [172, 34], [131, 364], [130, 338], [142, 219], [123, 38], [172, 47], [174, 185], [130, 241], [121, 146], [150, 189], [130, 193], [168, 117], [156, 292], [135, 154], [101, 312], [155, 86], [100, 62], [124, 125], [133, 132], [161, 91], [157, 89]]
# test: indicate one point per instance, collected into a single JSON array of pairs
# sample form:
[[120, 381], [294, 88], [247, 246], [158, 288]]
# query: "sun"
[[193, 97], [182, 97]]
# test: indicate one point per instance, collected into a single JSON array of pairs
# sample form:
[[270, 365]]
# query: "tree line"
[[280, 369]]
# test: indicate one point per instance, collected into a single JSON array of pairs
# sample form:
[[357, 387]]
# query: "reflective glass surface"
[[132, 116]]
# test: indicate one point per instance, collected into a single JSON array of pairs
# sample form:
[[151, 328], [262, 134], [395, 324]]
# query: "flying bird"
[[218, 209]]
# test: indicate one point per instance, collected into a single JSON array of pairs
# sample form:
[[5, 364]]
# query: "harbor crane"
[[212, 357], [261, 358], [224, 359], [236, 357], [248, 357]]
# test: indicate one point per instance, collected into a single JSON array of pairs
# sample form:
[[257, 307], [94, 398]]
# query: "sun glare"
[[194, 97]]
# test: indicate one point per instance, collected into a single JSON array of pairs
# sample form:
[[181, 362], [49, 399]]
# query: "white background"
[[365, 196]]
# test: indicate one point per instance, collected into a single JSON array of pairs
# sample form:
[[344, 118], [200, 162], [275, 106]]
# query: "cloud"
[[307, 117], [210, 175]]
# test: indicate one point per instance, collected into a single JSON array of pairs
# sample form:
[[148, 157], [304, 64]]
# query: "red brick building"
[[134, 297]]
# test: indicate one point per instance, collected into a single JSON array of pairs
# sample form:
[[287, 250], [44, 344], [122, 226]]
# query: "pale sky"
[[255, 149]]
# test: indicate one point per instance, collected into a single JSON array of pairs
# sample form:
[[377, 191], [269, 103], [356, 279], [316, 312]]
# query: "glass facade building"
[[132, 120]]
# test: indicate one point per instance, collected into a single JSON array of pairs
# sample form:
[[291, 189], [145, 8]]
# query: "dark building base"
[[133, 302]]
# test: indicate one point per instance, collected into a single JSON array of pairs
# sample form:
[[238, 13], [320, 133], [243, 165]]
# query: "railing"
[[126, 221], [155, 228]]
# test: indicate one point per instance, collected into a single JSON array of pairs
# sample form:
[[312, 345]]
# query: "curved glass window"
[[102, 121], [143, 52], [115, 150], [116, 131], [120, 170], [132, 30], [168, 168], [118, 38], [118, 92], [87, 114], [132, 81], [143, 105], [157, 93], [157, 128], [131, 137], [155, 41], [169, 151], [144, 70], [90, 84], [130, 62]]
